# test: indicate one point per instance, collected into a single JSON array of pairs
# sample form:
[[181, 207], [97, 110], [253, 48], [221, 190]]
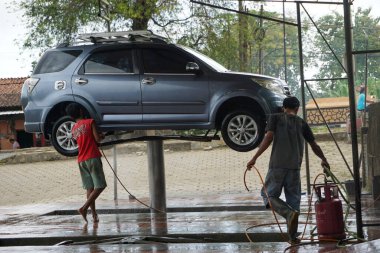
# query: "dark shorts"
[[92, 173]]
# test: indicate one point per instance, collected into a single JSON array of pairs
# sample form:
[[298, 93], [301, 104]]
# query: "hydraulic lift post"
[[156, 165], [156, 168]]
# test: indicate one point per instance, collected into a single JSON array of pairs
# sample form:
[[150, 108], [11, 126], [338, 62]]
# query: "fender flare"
[[50, 113], [233, 95]]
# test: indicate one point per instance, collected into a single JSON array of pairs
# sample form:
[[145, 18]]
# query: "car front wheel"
[[62, 138], [242, 130]]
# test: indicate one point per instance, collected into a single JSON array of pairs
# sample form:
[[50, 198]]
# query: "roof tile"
[[10, 92]]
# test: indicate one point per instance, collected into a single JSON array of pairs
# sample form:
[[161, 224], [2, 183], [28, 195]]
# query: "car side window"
[[164, 61], [109, 62]]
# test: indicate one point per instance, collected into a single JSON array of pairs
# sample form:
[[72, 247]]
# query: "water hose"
[[335, 180], [125, 188]]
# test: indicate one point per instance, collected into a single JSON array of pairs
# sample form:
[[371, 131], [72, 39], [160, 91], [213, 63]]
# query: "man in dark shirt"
[[288, 132]]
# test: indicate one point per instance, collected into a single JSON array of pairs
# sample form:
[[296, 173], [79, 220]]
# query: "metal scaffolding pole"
[[351, 90], [284, 42], [303, 93], [114, 152]]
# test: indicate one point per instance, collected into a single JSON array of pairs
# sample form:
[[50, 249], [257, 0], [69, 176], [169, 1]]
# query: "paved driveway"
[[188, 173]]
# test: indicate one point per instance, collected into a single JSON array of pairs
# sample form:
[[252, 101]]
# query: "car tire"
[[61, 137], [243, 130]]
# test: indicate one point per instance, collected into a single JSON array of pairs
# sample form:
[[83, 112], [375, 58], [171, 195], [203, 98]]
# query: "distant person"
[[288, 133], [15, 144], [89, 158], [362, 100]]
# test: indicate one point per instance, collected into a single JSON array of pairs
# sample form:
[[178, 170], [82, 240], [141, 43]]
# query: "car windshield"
[[215, 65]]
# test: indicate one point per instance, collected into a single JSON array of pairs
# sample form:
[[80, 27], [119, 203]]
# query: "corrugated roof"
[[10, 92], [337, 102]]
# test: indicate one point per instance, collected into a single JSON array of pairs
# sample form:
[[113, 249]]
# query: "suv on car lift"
[[137, 81]]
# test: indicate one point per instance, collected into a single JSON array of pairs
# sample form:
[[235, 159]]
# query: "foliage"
[[341, 89], [222, 44], [366, 32], [373, 87], [51, 21], [218, 34]]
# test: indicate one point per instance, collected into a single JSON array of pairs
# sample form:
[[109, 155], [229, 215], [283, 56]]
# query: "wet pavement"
[[208, 210], [198, 224]]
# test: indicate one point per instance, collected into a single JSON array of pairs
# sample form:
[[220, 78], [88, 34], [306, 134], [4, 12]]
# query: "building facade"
[[12, 116]]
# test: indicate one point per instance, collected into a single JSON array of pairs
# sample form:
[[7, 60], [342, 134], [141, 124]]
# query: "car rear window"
[[55, 61]]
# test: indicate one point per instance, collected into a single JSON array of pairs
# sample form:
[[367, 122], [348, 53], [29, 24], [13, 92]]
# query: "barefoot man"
[[89, 158], [288, 132]]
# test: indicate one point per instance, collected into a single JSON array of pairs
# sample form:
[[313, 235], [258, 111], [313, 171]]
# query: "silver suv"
[[138, 81]]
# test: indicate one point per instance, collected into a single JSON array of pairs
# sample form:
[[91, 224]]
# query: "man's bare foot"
[[83, 213]]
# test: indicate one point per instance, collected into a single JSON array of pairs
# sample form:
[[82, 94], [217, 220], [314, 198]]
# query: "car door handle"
[[149, 80], [81, 81]]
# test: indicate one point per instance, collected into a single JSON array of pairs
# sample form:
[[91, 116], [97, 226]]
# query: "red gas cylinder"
[[329, 213]]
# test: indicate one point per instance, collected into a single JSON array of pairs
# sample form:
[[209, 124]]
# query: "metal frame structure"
[[350, 79]]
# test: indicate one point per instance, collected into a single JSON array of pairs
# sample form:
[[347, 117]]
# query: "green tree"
[[210, 31], [241, 44], [366, 31], [243, 37], [57, 21], [374, 87], [222, 43]]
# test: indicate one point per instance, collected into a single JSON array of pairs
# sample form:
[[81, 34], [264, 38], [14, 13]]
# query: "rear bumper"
[[34, 117], [33, 127]]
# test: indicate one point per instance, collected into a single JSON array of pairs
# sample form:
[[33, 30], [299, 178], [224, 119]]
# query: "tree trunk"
[[144, 10], [243, 41]]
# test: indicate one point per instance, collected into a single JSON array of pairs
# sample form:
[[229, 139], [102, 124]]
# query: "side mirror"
[[192, 67]]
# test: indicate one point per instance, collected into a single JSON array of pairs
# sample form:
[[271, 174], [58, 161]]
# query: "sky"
[[16, 62]]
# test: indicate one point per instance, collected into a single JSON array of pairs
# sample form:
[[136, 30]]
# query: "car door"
[[170, 94], [109, 81]]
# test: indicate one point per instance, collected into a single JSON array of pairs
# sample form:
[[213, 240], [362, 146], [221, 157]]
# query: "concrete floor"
[[198, 224], [208, 208]]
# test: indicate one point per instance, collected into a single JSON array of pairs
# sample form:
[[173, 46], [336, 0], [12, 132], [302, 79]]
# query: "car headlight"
[[271, 84], [30, 83]]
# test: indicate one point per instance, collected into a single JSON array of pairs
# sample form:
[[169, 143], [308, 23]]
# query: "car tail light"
[[31, 83]]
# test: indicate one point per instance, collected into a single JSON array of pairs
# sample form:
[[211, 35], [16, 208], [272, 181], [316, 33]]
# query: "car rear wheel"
[[242, 130], [62, 138]]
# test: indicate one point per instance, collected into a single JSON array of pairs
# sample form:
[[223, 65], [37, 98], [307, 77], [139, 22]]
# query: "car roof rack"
[[125, 36]]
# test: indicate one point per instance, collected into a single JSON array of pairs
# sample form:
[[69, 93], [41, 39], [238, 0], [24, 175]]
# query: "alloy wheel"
[[242, 129]]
